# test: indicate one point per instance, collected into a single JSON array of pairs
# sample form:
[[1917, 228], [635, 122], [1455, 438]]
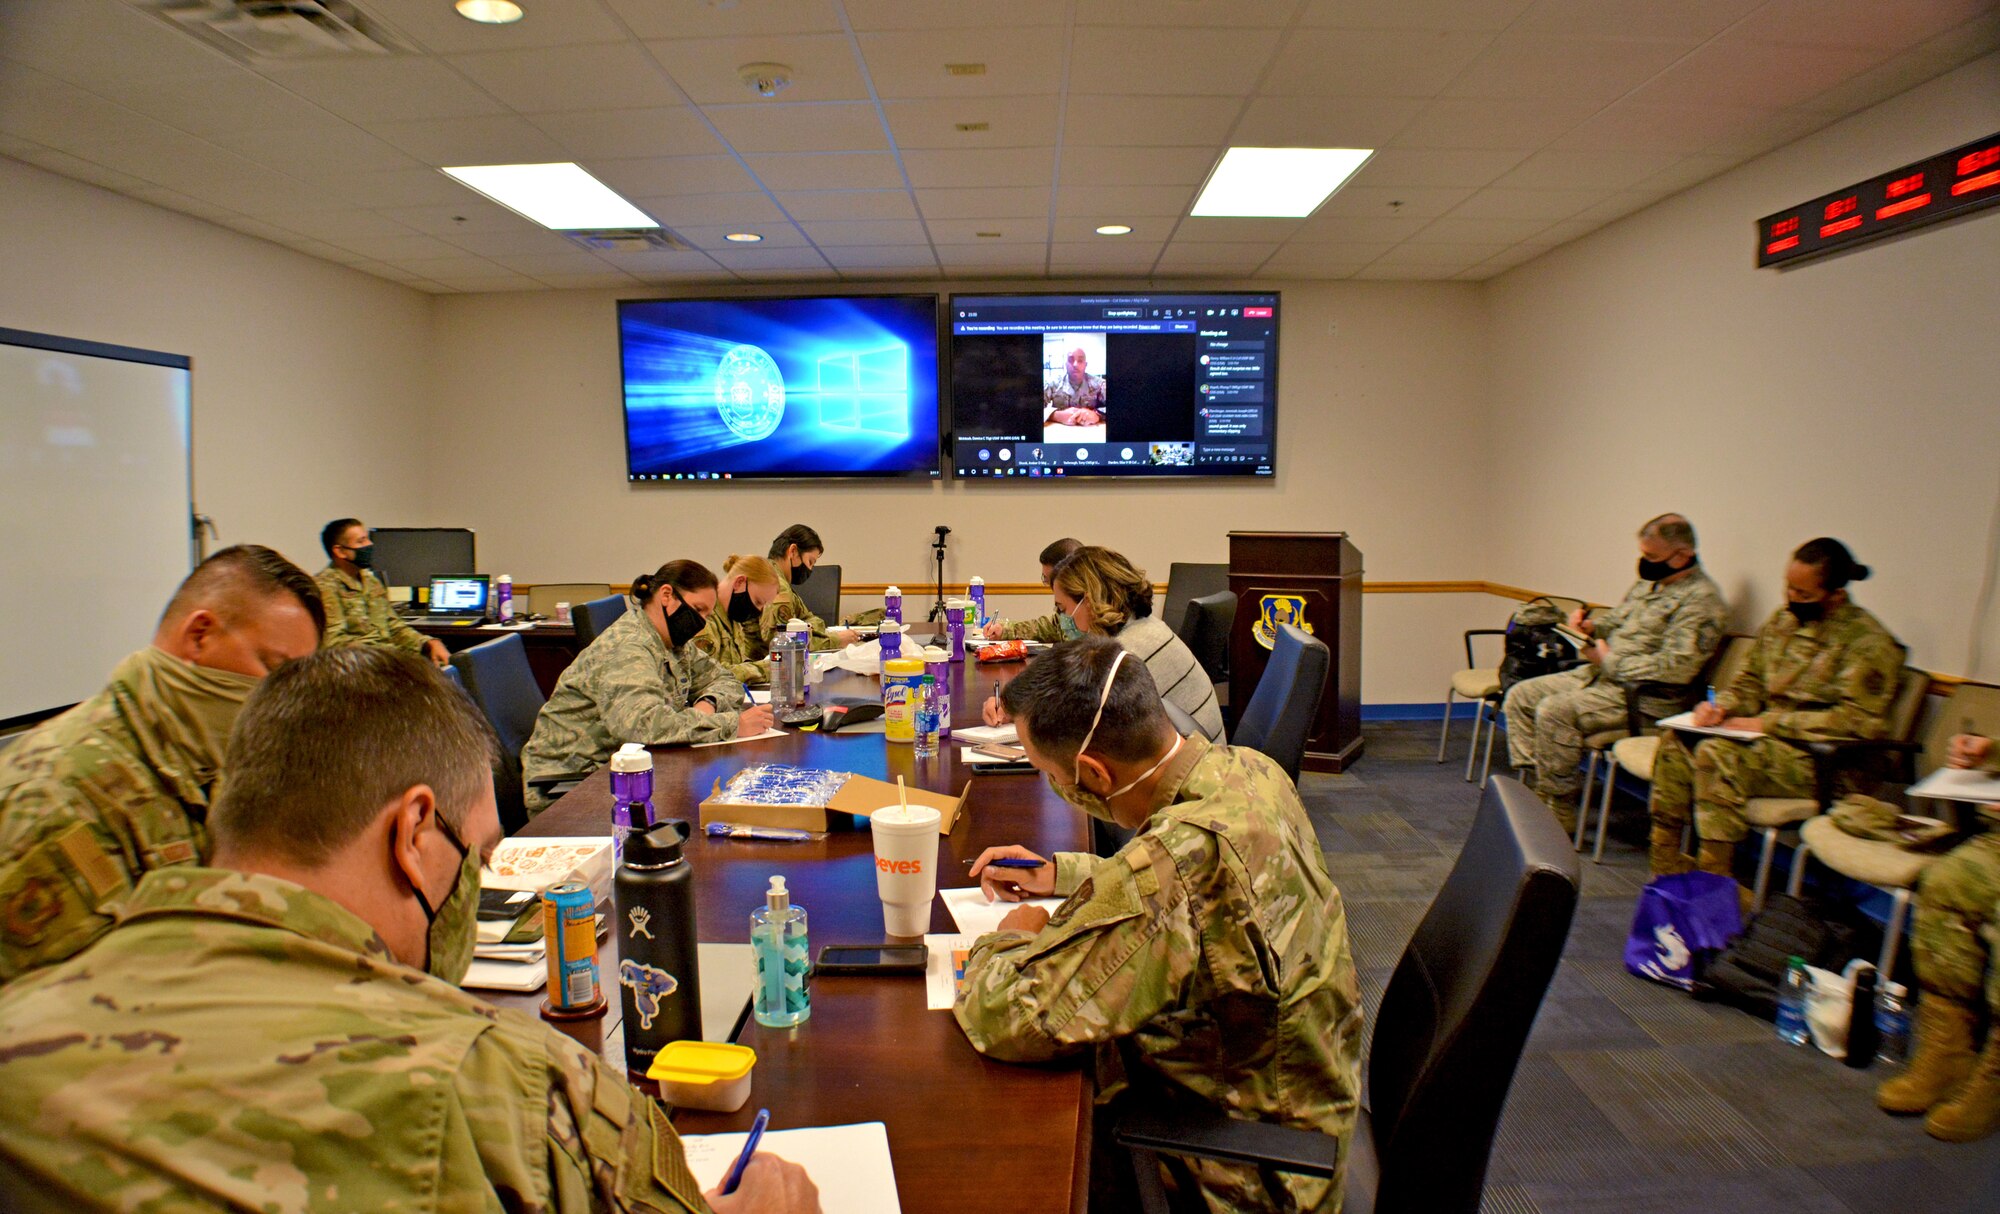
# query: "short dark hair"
[[1671, 529], [1056, 696], [798, 533], [682, 575], [1055, 553], [1837, 566], [330, 534], [235, 576], [325, 742]]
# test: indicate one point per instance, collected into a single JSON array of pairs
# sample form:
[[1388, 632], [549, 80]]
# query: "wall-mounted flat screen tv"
[[821, 386], [1114, 384]]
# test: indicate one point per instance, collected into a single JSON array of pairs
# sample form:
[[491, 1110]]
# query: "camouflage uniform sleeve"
[[710, 679], [1744, 697], [1867, 680], [396, 629], [1690, 634], [346, 617], [1041, 628], [1992, 762], [1606, 621], [57, 895], [728, 645], [1073, 868], [788, 606], [1122, 948], [637, 708]]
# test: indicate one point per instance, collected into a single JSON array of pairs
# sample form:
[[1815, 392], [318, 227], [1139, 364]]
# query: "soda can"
[[569, 933]]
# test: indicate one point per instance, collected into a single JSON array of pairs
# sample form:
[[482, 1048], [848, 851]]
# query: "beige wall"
[[1650, 367], [1382, 435], [306, 374]]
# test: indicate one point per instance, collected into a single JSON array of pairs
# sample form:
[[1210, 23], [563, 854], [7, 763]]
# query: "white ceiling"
[[1505, 127]]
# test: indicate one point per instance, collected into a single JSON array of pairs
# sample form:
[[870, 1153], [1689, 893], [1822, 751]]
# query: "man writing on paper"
[[1047, 628], [1953, 946], [1207, 962], [357, 603], [284, 1029], [1669, 623], [121, 784], [1821, 668]]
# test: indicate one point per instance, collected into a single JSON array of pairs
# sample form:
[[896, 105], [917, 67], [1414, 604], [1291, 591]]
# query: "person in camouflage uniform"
[[1206, 962], [1046, 628], [284, 1030], [1664, 631], [120, 785], [357, 603], [794, 553], [1953, 947], [749, 585], [1820, 668], [1076, 397], [641, 680]]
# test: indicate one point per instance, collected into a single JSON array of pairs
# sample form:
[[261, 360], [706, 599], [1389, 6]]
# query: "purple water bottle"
[[892, 604], [503, 599], [976, 591], [631, 795], [935, 665], [890, 641], [954, 630]]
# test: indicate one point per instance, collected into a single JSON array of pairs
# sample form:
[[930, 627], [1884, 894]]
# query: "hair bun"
[[642, 586], [1858, 572]]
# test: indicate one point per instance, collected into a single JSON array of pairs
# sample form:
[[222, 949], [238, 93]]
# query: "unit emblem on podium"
[[1276, 609]]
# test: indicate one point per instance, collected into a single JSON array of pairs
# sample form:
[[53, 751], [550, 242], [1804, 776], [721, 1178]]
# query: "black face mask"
[[1807, 613], [741, 609], [1659, 571], [683, 624], [800, 573], [363, 558]]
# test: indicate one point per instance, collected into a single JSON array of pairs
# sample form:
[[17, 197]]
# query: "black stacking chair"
[[594, 617], [821, 592], [1280, 714], [1191, 581], [1204, 629], [497, 676], [1448, 1035]]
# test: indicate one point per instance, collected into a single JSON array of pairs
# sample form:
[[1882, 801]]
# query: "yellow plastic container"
[[899, 714], [704, 1075]]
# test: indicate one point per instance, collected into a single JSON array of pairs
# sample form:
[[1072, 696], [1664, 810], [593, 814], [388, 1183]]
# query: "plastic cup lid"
[[701, 1062]]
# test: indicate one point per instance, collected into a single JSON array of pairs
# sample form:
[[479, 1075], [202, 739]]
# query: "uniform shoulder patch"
[[1073, 903]]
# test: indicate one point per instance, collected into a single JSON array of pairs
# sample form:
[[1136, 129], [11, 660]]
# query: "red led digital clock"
[[1951, 183]]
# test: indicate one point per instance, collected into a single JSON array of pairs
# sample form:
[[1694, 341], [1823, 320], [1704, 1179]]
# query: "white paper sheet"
[[968, 755], [849, 1164], [1005, 735], [973, 913], [1958, 784], [1684, 723], [760, 695], [773, 732]]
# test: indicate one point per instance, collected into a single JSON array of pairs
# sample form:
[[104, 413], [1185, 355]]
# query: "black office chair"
[[501, 682], [1191, 581], [594, 617], [1281, 711], [821, 592], [1448, 1034], [1204, 629]]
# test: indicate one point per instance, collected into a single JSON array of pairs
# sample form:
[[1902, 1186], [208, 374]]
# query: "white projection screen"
[[96, 485]]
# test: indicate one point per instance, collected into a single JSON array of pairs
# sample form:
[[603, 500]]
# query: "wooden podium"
[[1311, 579]]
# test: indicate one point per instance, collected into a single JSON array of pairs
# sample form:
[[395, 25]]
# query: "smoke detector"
[[765, 79]]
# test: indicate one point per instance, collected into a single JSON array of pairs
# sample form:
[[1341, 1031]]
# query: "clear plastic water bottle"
[[1792, 988], [1892, 1021], [927, 718]]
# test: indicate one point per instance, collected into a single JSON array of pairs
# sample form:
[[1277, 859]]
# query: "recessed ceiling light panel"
[[1282, 183], [744, 237], [1115, 229], [490, 12], [559, 196]]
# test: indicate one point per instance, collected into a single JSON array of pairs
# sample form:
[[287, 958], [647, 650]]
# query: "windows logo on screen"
[[866, 391]]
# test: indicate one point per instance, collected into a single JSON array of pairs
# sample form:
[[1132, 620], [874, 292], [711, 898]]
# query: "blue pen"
[[1010, 862], [735, 1176]]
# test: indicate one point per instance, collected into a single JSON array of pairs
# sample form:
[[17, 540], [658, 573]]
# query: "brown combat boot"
[[1565, 813], [1943, 1060], [1973, 1111], [1664, 851], [1720, 858]]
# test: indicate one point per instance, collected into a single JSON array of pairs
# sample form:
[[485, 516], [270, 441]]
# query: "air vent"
[[263, 30], [968, 128], [629, 240], [965, 69]]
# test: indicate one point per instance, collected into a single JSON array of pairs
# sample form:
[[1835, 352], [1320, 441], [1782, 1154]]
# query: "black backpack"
[[1535, 646], [1746, 974]]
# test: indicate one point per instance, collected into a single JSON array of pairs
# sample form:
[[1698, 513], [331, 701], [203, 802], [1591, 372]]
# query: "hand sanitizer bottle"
[[778, 950]]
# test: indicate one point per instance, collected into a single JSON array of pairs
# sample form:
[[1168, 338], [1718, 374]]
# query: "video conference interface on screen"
[[1113, 384]]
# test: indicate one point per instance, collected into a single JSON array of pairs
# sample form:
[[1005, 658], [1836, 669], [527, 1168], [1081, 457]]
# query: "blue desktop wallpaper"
[[834, 386]]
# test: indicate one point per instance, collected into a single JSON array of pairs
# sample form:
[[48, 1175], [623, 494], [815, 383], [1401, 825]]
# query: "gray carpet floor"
[[1631, 1097]]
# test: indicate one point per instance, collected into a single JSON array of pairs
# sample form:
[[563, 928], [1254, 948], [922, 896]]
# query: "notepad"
[[1958, 784], [849, 1164], [1005, 735], [974, 914], [1684, 723]]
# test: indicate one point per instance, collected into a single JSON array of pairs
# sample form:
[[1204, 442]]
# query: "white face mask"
[[1088, 801]]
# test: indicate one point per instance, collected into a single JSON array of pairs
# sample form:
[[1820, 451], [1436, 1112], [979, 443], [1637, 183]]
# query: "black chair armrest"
[[1472, 663], [1833, 756], [1682, 694], [1211, 1135], [555, 786]]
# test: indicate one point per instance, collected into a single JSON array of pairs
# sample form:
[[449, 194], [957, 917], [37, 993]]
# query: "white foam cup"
[[906, 860]]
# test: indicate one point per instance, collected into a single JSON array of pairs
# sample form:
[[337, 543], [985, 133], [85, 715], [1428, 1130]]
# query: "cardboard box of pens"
[[800, 798]]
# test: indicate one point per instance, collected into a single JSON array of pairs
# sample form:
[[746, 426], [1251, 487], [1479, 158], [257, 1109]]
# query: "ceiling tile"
[[972, 167], [1215, 229], [848, 204], [865, 231], [394, 249], [1687, 173], [570, 78], [1633, 125], [1363, 229], [528, 240], [44, 110], [770, 259], [882, 257], [444, 269], [912, 64], [835, 126], [85, 171], [500, 139], [1147, 60], [1136, 166], [806, 275], [1457, 122], [438, 28], [1401, 273], [991, 256], [779, 235], [1526, 204], [1346, 122], [1867, 25], [400, 188], [213, 105], [1378, 63], [1635, 18], [961, 14], [1900, 74], [1457, 256], [1103, 254], [329, 149], [1120, 203], [1562, 170], [348, 228], [1185, 13], [471, 213], [674, 175], [1243, 258], [1009, 122], [1278, 271], [601, 280], [1415, 202], [1617, 205], [1096, 118], [827, 171], [1450, 230], [500, 280], [1415, 14], [85, 42], [384, 89], [1355, 253], [1520, 254], [1520, 66], [1753, 74], [676, 130], [995, 231], [823, 67], [660, 261], [653, 19], [698, 209], [968, 204], [1773, 132], [1403, 168]]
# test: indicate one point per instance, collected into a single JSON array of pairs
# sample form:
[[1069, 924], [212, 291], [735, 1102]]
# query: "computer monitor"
[[460, 594]]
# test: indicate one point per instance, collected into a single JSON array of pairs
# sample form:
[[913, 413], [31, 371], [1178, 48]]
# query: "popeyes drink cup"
[[906, 858]]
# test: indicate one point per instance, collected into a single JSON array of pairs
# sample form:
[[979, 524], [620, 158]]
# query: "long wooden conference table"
[[965, 1133]]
